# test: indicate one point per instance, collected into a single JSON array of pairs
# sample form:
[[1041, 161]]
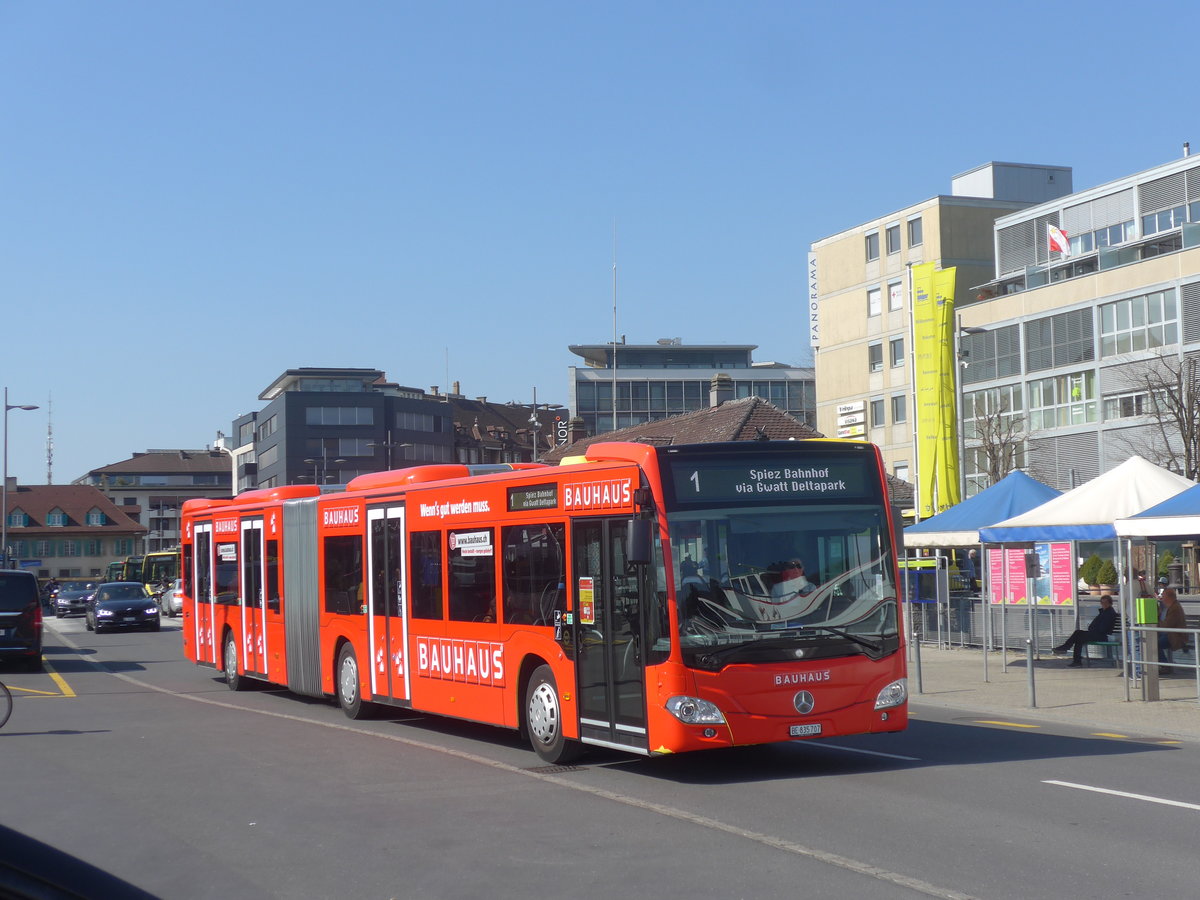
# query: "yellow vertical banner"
[[933, 374]]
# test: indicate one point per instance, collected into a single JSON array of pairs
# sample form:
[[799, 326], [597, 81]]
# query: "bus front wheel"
[[543, 718]]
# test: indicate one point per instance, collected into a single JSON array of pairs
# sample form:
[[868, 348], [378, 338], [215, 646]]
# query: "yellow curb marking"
[[61, 682], [1009, 724], [64, 689], [1108, 734]]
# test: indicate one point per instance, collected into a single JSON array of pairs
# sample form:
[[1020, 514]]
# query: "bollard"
[[1029, 667], [917, 658]]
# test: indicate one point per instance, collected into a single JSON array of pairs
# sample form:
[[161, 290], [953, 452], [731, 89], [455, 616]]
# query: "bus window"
[[343, 575], [273, 598], [227, 573], [535, 573], [472, 558], [426, 575], [203, 567]]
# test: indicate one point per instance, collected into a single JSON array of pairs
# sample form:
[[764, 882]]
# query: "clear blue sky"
[[199, 195]]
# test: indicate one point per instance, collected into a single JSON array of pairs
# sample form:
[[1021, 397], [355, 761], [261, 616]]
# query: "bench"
[[1110, 647]]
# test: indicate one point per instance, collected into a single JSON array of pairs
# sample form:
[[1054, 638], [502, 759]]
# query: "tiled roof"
[[174, 462], [748, 419], [75, 500]]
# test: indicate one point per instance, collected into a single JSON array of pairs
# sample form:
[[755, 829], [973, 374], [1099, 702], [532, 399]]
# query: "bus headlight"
[[892, 695], [694, 711]]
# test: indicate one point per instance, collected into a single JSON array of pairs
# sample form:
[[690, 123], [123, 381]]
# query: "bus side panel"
[[301, 606]]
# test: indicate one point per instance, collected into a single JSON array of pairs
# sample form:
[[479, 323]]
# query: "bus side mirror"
[[638, 542]]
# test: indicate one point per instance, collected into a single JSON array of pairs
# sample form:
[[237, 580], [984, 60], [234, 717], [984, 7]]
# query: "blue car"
[[121, 606]]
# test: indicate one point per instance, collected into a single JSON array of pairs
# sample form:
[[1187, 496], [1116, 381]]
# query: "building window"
[[56, 518], [1164, 220], [878, 413], [267, 428], [899, 408], [1062, 340], [1138, 323], [872, 246], [42, 548], [339, 415], [17, 519], [996, 411], [994, 353], [875, 357], [70, 548], [915, 232], [1062, 400], [874, 302], [895, 295], [896, 347], [1130, 405], [269, 456], [892, 236], [122, 546], [901, 471], [95, 517]]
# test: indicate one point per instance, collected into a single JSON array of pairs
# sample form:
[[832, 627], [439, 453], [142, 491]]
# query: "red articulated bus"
[[649, 599]]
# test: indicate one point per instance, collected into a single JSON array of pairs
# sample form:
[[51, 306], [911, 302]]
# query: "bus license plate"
[[804, 730]]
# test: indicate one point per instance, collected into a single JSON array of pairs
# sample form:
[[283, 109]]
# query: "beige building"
[[860, 293]]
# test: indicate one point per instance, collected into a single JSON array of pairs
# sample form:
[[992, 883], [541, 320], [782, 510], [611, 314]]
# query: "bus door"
[[608, 626], [388, 623], [202, 624], [254, 625]]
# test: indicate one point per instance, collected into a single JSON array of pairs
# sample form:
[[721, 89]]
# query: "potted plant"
[[1089, 570], [1107, 577]]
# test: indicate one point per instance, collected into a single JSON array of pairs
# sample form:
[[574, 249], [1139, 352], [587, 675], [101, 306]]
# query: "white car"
[[171, 600]]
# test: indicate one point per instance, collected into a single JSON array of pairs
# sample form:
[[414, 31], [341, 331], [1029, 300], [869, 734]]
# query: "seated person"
[[1100, 629], [791, 580]]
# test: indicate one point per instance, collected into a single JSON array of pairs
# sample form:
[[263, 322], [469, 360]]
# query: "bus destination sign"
[[537, 496], [768, 480]]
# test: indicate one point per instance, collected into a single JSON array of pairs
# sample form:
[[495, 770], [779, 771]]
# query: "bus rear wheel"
[[543, 718], [349, 692]]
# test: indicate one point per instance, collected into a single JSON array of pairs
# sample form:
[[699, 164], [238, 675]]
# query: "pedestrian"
[[1171, 615], [1098, 630], [971, 570]]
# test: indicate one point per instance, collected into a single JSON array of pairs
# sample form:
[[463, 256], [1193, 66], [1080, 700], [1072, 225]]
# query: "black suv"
[[20, 618]]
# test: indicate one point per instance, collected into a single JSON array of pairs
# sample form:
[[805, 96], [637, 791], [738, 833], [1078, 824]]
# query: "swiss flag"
[[1058, 240]]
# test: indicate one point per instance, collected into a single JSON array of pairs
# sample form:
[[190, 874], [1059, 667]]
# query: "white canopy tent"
[[1087, 512]]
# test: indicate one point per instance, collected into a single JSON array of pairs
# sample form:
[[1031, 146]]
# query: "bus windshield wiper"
[[712, 659], [853, 638]]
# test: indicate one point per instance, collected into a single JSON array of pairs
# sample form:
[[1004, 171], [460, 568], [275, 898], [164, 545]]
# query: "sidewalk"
[[1092, 697]]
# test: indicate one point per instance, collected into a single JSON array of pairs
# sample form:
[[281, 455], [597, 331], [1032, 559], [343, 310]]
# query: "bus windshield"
[[766, 583]]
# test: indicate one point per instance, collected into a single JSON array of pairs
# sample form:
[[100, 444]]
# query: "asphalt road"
[[124, 757]]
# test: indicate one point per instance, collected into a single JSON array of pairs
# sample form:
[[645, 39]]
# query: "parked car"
[[20, 618], [171, 600], [71, 598], [121, 605]]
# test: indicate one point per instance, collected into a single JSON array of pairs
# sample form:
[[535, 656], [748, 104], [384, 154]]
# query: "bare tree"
[[1168, 397], [996, 436]]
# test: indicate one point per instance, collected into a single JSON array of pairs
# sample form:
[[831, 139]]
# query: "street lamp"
[[321, 466], [536, 423], [4, 489], [389, 445]]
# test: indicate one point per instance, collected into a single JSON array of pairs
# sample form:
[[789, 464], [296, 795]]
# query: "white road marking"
[[856, 750], [1146, 797]]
